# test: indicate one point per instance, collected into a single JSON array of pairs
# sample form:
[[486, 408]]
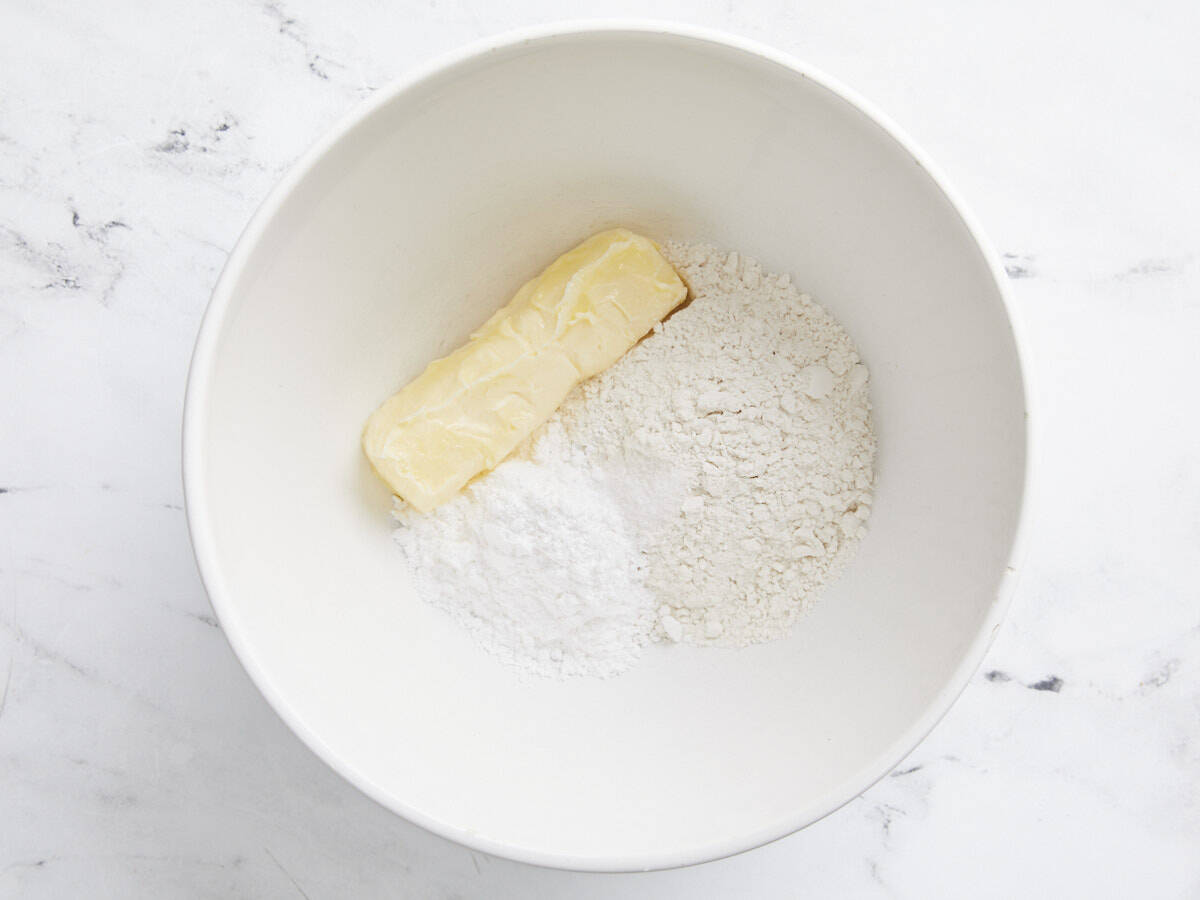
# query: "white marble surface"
[[137, 760]]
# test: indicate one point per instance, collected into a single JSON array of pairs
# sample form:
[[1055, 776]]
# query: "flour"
[[703, 490]]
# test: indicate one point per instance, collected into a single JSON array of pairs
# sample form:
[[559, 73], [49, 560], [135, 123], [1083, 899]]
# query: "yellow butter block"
[[469, 410]]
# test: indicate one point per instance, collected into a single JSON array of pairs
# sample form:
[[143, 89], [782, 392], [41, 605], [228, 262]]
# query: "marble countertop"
[[136, 758]]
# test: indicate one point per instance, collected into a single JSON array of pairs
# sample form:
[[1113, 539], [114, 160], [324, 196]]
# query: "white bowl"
[[402, 231]]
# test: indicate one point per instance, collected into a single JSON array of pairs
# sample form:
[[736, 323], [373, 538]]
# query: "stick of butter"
[[469, 410]]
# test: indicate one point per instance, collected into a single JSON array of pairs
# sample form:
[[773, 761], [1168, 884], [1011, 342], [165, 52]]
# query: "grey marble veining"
[[137, 760]]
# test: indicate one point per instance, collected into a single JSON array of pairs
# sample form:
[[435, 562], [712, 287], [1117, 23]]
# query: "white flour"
[[704, 489]]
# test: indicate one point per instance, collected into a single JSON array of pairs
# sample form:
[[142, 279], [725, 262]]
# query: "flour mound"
[[757, 397]]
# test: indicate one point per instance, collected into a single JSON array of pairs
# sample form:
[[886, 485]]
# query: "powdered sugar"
[[703, 489], [539, 563]]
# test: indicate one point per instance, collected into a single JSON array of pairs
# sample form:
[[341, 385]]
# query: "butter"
[[469, 410]]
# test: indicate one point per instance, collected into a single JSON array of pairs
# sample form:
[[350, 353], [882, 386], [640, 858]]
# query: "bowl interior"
[[401, 237]]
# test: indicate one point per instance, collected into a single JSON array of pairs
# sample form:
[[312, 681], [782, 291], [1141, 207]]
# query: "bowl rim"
[[200, 525]]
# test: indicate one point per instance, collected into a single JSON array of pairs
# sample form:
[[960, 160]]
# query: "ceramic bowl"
[[403, 230]]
